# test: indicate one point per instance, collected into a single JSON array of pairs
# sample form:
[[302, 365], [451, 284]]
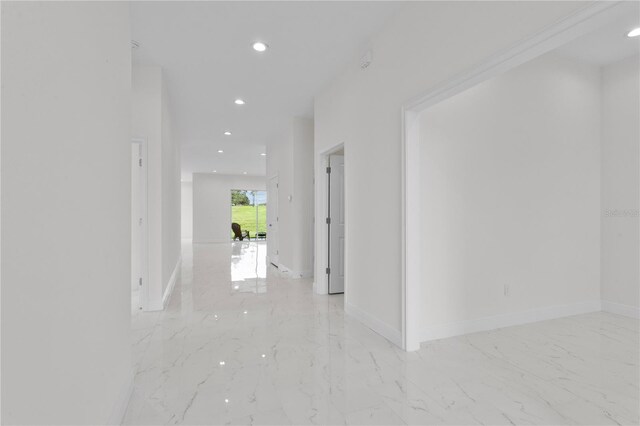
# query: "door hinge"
[[328, 271], [328, 221], [328, 169], [139, 281], [140, 162]]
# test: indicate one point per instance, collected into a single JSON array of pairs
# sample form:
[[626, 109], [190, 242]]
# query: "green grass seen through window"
[[246, 217]]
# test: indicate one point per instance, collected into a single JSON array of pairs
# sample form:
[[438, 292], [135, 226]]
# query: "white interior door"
[[272, 220], [139, 259], [336, 224]]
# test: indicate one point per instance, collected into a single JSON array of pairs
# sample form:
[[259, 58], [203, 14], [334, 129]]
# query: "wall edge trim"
[[495, 322], [385, 330], [621, 309], [122, 403], [172, 283]]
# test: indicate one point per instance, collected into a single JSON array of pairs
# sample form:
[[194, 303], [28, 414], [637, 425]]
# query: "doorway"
[[414, 278], [249, 214], [139, 254]]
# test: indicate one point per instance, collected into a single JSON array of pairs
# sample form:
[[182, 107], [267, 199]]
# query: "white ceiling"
[[205, 51], [608, 44]]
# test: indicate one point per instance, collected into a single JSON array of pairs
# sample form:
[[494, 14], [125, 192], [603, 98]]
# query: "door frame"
[[321, 282], [274, 199], [583, 21], [144, 232]]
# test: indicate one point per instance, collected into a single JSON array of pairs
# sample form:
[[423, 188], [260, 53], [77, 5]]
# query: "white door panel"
[[336, 224]]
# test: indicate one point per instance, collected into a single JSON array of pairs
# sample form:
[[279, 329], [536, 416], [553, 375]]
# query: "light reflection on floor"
[[249, 266]]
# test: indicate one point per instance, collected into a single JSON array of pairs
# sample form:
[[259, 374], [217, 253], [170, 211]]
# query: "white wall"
[[620, 190], [151, 121], [291, 159], [186, 214], [510, 192], [171, 223], [66, 169], [212, 204], [425, 44]]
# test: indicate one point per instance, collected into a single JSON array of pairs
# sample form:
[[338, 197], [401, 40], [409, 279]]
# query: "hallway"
[[241, 344]]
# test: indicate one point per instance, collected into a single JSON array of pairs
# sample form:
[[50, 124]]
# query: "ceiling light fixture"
[[259, 46], [220, 151], [634, 32], [239, 101], [244, 173], [215, 171], [264, 154], [227, 133]]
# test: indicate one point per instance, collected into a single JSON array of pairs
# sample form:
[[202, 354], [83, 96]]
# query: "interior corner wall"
[[66, 212], [171, 194], [291, 159], [510, 195], [186, 214], [362, 109], [151, 121], [212, 204], [303, 197], [620, 188]]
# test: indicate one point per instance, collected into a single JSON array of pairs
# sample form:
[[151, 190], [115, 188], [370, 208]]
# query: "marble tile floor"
[[242, 344]]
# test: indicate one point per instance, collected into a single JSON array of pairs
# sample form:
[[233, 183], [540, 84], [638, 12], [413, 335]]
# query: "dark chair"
[[237, 232]]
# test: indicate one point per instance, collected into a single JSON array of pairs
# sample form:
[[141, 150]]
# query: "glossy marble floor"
[[241, 344]]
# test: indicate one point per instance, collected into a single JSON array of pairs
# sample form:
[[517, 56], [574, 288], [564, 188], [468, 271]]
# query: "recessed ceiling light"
[[634, 32], [264, 154], [239, 101], [220, 151], [227, 133], [244, 173], [259, 46], [222, 362], [214, 171]]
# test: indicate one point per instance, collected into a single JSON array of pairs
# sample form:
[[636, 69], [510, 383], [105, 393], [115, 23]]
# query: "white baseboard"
[[122, 403], [383, 329], [172, 283], [292, 273], [160, 304], [274, 262], [507, 320], [620, 309]]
